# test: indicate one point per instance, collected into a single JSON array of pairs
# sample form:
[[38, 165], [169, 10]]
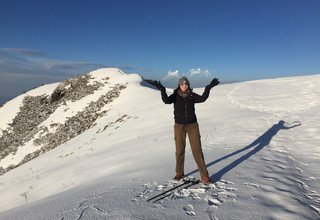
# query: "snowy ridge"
[[284, 89], [81, 99], [260, 141]]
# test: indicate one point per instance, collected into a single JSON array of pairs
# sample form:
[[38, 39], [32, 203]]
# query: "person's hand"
[[214, 83], [156, 84]]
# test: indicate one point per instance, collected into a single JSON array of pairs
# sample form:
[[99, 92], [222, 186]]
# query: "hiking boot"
[[206, 180], [178, 177]]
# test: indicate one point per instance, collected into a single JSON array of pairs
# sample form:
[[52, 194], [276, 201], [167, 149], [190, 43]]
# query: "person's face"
[[184, 87]]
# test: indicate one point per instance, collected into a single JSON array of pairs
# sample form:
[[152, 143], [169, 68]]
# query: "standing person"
[[184, 100]]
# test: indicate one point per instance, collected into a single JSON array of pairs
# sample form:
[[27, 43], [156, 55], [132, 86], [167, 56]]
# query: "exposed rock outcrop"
[[36, 109]]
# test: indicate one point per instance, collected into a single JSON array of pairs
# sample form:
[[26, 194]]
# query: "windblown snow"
[[99, 145]]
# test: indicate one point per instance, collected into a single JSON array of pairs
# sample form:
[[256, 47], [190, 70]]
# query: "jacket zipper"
[[185, 108]]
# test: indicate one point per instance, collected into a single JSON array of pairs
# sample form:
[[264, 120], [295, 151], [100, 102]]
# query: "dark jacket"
[[184, 111]]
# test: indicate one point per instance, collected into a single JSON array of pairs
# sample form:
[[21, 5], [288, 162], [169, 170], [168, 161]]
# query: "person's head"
[[184, 84]]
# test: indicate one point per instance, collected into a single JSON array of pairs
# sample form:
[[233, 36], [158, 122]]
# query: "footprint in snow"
[[226, 196], [212, 202], [254, 185], [189, 210], [211, 210]]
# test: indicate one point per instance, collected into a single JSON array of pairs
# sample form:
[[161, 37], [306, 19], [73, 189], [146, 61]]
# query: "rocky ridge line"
[[36, 109]]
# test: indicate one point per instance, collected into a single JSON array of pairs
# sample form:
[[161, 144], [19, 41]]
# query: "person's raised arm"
[[165, 98], [205, 95]]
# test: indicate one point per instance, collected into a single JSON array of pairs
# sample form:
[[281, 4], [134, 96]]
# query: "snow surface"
[[260, 141]]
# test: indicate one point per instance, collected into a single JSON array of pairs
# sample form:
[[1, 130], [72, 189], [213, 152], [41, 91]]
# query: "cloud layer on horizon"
[[23, 69], [26, 61]]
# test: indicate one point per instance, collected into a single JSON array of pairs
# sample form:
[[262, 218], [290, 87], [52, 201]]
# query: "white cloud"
[[192, 73], [199, 71], [172, 74], [21, 52]]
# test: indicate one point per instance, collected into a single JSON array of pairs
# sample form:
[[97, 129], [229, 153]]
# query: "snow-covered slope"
[[260, 141]]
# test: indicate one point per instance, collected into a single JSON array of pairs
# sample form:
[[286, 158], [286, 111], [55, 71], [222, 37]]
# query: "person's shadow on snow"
[[259, 144]]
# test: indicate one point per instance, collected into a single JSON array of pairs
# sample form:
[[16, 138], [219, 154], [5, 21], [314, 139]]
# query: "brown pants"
[[180, 133]]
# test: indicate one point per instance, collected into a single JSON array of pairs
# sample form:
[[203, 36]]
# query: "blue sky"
[[44, 41]]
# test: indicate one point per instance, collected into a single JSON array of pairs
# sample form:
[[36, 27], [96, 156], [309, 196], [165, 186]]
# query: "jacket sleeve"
[[203, 97], [167, 99]]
